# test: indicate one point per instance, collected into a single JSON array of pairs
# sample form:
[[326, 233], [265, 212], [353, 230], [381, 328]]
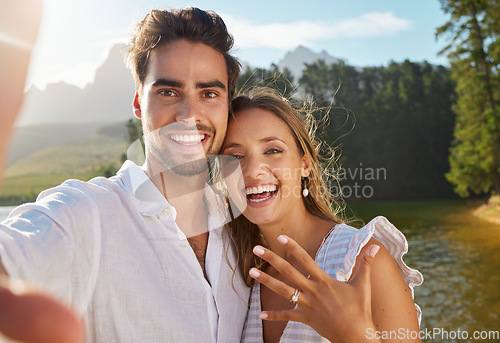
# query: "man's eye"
[[210, 95], [166, 92]]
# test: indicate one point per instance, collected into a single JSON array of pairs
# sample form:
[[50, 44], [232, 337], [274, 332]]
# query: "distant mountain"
[[295, 60], [107, 100]]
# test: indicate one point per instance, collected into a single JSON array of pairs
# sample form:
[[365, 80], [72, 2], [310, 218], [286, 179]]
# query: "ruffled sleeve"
[[338, 254]]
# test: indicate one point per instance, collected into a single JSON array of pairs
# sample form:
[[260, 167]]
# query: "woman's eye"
[[274, 151], [237, 156]]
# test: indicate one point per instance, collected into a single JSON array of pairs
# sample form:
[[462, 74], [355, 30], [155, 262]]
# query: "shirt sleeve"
[[54, 243]]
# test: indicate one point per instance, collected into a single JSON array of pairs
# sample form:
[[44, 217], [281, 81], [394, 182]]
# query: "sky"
[[75, 36]]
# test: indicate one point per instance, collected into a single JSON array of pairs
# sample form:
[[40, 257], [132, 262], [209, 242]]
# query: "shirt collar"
[[149, 200]]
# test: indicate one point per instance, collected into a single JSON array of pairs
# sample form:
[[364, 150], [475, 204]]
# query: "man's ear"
[[137, 106], [306, 166]]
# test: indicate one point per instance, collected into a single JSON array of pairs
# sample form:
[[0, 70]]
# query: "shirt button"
[[183, 246]]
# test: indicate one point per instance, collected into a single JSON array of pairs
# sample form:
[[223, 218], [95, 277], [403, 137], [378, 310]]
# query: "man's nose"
[[189, 109]]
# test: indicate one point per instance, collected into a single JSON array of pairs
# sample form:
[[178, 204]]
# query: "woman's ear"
[[137, 106], [306, 166]]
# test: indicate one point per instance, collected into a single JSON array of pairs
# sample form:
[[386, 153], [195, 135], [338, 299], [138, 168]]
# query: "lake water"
[[458, 255]]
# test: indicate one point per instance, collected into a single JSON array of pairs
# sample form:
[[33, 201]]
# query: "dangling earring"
[[305, 183]]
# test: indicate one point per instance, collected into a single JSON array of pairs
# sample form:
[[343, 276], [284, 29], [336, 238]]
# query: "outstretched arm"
[[19, 20], [26, 315]]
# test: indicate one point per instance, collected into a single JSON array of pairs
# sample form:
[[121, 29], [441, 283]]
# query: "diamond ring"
[[295, 297]]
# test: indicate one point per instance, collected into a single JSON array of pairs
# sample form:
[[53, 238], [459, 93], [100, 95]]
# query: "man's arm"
[[26, 314], [19, 20]]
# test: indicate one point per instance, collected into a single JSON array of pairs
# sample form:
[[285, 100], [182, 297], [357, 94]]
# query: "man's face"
[[183, 105]]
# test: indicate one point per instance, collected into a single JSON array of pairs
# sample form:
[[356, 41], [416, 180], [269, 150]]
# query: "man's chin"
[[191, 168]]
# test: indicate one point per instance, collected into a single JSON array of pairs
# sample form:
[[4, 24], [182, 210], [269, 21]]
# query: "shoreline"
[[489, 212]]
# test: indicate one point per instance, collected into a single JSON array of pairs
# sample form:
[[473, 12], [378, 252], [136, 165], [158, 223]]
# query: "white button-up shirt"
[[111, 249]]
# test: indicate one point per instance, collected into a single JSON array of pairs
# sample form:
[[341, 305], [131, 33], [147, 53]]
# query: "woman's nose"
[[255, 168]]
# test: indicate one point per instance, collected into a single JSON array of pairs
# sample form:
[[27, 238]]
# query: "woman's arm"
[[393, 308]]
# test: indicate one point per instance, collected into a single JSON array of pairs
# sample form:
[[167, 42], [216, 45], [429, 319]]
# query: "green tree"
[[474, 53]]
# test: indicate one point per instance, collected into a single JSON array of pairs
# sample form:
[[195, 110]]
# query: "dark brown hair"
[[167, 26]]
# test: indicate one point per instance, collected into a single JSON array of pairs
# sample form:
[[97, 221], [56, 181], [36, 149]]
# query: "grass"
[[49, 167]]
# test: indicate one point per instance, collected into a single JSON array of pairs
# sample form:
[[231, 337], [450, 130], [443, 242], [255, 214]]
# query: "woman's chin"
[[259, 217]]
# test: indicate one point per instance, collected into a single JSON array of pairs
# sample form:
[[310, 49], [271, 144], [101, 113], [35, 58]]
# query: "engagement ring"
[[295, 297]]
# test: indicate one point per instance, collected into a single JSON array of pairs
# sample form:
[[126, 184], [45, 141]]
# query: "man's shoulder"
[[95, 190]]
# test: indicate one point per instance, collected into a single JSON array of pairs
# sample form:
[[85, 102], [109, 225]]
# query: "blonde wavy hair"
[[320, 202]]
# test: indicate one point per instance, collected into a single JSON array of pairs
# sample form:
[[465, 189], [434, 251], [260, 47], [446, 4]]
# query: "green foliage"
[[474, 53], [49, 167], [107, 170], [398, 120], [134, 129]]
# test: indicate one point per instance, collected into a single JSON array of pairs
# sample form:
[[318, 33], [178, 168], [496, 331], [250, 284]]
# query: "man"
[[142, 257]]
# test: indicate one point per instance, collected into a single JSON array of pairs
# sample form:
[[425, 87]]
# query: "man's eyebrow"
[[211, 84], [167, 82]]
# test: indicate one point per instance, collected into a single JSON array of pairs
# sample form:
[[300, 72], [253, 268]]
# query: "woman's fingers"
[[302, 257], [361, 278], [275, 285], [282, 266], [294, 315]]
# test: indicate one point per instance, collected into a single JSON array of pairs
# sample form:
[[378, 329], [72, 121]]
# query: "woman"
[[301, 248]]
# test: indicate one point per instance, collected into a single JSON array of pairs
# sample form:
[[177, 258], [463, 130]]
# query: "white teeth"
[[260, 189], [260, 200], [193, 139]]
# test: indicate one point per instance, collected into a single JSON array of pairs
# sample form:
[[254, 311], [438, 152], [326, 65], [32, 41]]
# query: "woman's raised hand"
[[338, 311]]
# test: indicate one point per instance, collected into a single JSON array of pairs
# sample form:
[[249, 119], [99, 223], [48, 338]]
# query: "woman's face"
[[271, 163]]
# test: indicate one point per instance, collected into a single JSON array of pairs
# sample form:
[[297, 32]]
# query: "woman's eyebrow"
[[232, 145], [270, 139], [262, 140]]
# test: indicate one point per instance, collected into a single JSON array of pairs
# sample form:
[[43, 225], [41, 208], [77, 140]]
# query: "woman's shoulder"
[[344, 243]]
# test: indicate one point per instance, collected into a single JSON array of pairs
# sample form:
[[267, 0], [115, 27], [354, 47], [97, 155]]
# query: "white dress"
[[337, 256]]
